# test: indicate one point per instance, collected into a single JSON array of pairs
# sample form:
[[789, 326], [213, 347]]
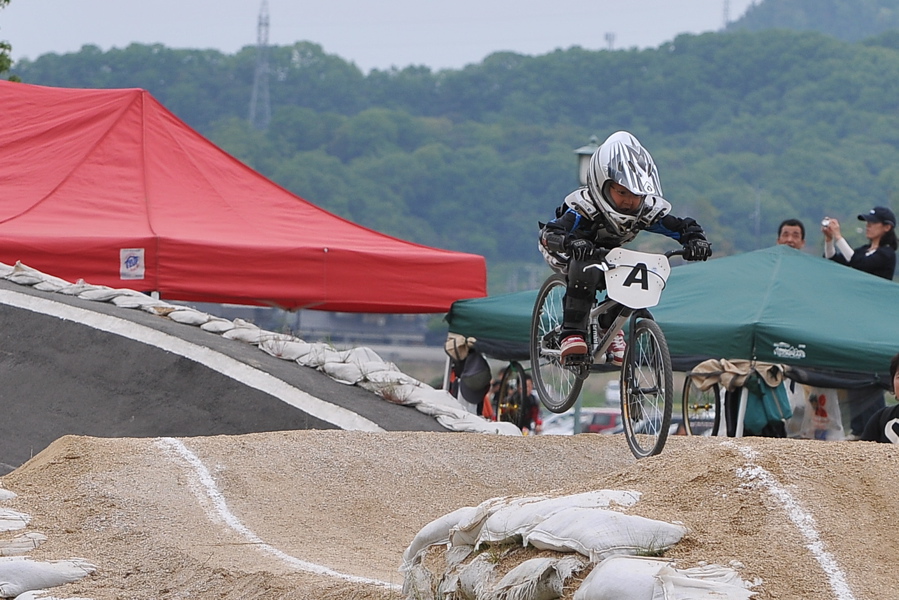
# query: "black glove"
[[580, 249], [697, 248]]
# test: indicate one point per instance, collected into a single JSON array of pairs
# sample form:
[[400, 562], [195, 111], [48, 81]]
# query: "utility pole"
[[610, 39], [260, 102], [726, 13]]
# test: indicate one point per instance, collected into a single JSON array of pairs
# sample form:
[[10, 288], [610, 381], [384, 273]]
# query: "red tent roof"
[[110, 187]]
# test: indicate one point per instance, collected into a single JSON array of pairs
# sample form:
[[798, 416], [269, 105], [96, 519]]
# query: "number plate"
[[637, 278]]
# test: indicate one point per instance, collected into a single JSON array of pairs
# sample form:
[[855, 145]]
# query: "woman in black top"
[[878, 256]]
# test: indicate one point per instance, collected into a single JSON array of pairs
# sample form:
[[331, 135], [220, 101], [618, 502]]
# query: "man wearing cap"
[[878, 256]]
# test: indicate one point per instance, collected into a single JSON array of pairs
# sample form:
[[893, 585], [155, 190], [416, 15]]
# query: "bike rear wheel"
[[646, 389], [509, 401], [702, 409], [557, 387]]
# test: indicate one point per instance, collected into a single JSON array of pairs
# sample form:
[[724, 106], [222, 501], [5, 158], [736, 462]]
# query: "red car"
[[601, 420]]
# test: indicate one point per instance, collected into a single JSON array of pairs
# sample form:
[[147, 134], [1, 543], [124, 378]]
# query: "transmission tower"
[[260, 102]]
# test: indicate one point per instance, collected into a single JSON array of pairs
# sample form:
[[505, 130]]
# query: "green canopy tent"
[[833, 326]]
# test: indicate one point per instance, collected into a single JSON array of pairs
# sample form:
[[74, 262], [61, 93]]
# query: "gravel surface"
[[809, 520]]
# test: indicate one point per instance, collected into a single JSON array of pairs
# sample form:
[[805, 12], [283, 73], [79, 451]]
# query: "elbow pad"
[[554, 242]]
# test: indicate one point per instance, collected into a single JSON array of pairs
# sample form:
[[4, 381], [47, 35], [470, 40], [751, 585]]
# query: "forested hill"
[[849, 20], [748, 128]]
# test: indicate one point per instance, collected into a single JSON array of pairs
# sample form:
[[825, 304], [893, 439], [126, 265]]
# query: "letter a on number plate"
[[637, 278]]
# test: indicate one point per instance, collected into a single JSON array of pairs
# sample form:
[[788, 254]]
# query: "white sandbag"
[[708, 582], [160, 309], [622, 578], [435, 532], [361, 354], [640, 578], [244, 333], [347, 373], [134, 300], [6, 495], [476, 579], [19, 575], [24, 275], [75, 288], [188, 316], [397, 387], [6, 269], [288, 350], [538, 579], [51, 284], [319, 356], [391, 375], [99, 293], [21, 544], [217, 325], [468, 530], [421, 397], [469, 423], [511, 523], [11, 520], [598, 533], [419, 583]]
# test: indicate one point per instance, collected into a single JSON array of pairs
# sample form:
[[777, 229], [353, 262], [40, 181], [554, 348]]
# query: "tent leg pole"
[[741, 416], [446, 374]]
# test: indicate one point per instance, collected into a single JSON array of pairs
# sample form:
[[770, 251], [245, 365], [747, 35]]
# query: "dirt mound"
[[328, 514]]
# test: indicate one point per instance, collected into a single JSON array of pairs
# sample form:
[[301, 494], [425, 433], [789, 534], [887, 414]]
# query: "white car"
[[592, 420], [613, 392]]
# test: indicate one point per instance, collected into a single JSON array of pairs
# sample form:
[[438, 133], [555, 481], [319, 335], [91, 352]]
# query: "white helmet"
[[622, 159]]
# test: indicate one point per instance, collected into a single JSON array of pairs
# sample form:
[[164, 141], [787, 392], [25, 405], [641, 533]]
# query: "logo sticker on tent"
[[131, 263]]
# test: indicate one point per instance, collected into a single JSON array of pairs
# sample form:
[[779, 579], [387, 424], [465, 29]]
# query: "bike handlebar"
[[671, 253]]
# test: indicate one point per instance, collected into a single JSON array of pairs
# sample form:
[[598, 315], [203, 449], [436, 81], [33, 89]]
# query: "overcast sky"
[[370, 33]]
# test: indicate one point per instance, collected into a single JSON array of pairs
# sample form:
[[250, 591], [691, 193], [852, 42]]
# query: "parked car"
[[593, 420], [602, 420], [676, 427], [613, 392]]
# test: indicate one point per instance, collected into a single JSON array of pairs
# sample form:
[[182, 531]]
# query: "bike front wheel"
[[702, 409], [646, 389], [557, 387]]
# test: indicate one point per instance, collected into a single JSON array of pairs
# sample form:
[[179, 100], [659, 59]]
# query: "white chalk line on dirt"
[[222, 511], [221, 363], [803, 521]]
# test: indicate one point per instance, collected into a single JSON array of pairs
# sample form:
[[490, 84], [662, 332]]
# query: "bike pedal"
[[577, 361]]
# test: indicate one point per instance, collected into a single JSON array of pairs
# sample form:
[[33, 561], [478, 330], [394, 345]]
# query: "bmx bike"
[[634, 282]]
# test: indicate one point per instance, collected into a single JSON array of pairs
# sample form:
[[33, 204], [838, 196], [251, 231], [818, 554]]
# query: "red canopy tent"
[[110, 187]]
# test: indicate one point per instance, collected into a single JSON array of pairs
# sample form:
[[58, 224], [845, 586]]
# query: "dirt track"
[[352, 502]]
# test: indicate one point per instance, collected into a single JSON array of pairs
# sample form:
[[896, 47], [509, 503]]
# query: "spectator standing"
[[791, 233], [883, 426], [877, 257]]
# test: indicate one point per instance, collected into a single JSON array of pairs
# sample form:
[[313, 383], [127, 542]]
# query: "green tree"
[[5, 49]]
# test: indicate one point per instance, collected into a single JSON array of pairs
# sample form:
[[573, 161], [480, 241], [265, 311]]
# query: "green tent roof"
[[773, 305]]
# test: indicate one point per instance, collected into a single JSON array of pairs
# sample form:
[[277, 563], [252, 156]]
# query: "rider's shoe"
[[573, 346], [616, 349]]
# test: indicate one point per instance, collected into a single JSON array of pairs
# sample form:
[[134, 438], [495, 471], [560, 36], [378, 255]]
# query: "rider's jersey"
[[572, 222]]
